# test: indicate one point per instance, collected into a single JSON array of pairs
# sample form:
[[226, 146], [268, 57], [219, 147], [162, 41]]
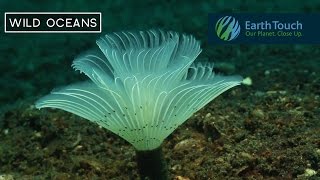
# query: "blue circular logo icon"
[[227, 28]]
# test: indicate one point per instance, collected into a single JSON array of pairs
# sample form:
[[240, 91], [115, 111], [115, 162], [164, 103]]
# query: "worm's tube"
[[152, 165]]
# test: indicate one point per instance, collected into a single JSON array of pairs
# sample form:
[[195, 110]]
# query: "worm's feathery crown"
[[144, 85]]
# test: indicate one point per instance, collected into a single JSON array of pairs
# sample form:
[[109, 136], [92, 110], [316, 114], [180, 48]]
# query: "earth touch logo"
[[263, 28], [227, 28]]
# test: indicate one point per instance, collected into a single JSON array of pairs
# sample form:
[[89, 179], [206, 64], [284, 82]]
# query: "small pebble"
[[181, 178], [267, 72], [259, 93], [6, 177], [6, 131], [38, 134], [309, 172], [176, 167], [187, 143], [258, 113], [78, 147]]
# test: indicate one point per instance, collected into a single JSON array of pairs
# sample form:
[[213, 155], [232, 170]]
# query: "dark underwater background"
[[269, 130]]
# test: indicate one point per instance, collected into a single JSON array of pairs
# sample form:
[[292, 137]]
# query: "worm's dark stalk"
[[152, 165]]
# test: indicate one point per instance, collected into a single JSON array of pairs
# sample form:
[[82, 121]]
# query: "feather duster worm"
[[143, 86]]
